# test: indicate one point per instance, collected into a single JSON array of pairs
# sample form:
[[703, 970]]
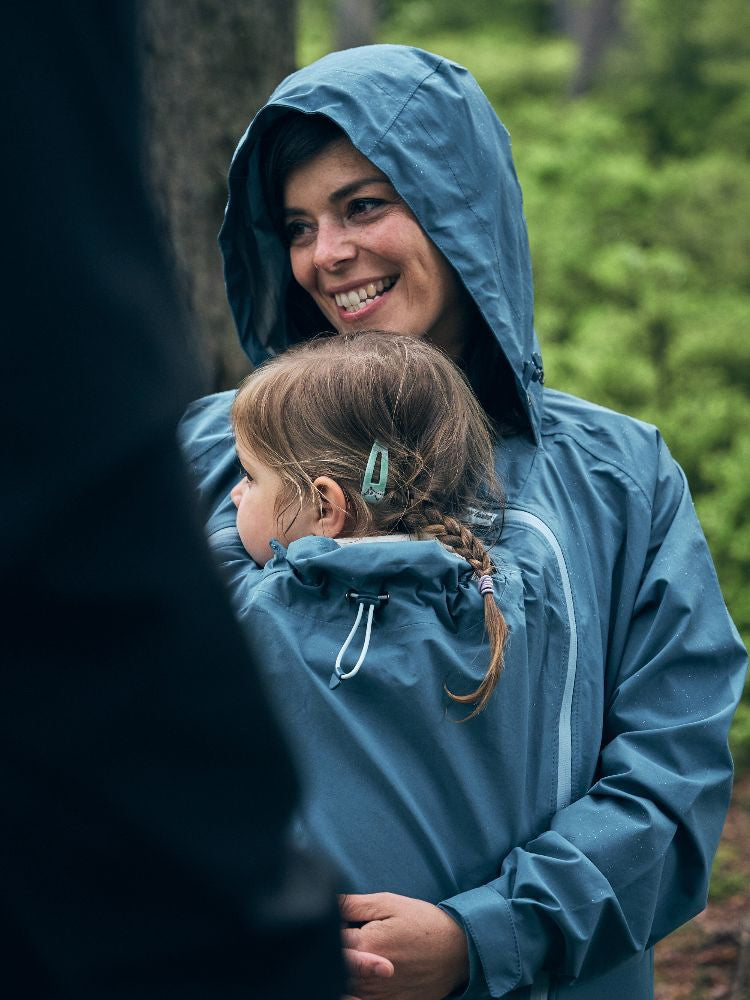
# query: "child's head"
[[308, 422]]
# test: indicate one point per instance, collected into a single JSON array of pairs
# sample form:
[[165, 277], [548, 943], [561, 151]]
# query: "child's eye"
[[244, 474]]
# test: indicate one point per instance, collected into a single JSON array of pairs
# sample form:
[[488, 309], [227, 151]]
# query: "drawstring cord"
[[363, 654], [372, 602]]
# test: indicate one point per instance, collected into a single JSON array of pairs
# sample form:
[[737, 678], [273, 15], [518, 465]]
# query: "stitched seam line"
[[259, 592], [400, 111], [606, 461], [480, 223], [222, 440], [517, 951], [468, 204]]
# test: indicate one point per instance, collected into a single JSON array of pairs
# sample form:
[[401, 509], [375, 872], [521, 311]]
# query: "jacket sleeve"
[[624, 865]]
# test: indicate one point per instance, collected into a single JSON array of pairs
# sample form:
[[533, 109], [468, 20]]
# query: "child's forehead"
[[245, 455]]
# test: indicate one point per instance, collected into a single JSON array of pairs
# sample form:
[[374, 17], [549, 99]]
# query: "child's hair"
[[317, 410]]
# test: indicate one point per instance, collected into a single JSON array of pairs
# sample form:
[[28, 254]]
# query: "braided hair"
[[316, 411]]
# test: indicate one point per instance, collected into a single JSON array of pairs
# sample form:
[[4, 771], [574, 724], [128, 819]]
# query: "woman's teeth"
[[358, 298]]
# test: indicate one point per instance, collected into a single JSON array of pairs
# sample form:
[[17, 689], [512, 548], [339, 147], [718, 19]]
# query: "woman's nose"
[[334, 245]]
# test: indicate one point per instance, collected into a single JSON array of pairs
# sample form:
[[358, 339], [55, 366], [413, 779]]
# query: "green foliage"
[[637, 197], [683, 72], [726, 879]]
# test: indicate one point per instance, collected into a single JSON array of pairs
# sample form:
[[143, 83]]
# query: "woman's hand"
[[424, 946]]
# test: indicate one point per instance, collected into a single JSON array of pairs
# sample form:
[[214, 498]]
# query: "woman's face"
[[358, 251]]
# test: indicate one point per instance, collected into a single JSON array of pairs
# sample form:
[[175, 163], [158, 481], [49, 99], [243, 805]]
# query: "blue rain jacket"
[[574, 823]]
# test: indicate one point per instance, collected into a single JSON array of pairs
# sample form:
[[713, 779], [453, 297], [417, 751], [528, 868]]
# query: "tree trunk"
[[356, 22], [595, 25], [208, 67]]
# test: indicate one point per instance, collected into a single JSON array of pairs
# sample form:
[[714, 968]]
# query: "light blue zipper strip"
[[541, 988], [564, 728]]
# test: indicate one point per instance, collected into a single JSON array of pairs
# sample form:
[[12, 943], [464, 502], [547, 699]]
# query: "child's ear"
[[330, 521]]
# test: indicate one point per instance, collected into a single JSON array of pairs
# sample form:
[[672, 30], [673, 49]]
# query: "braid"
[[458, 537]]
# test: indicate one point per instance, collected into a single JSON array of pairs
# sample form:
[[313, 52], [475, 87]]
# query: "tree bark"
[[208, 67], [595, 25], [356, 22]]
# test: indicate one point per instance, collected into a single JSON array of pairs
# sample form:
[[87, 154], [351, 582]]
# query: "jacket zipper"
[[540, 990]]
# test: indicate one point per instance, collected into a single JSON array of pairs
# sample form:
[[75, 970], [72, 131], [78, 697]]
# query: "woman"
[[405, 214]]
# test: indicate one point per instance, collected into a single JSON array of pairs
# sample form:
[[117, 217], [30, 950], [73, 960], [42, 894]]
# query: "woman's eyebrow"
[[343, 192]]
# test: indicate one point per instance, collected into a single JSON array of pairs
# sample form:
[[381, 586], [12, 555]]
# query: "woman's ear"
[[330, 521]]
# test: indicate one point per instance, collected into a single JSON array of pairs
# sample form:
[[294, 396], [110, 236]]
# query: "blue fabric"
[[573, 824]]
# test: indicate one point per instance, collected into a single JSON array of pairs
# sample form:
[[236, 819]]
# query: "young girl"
[[376, 438]]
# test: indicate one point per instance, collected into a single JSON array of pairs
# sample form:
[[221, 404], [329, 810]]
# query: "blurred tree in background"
[[631, 133], [208, 67]]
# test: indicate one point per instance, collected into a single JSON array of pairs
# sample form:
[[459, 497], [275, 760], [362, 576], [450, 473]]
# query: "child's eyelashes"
[[242, 471]]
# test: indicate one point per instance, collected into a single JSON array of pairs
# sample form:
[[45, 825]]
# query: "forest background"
[[630, 122]]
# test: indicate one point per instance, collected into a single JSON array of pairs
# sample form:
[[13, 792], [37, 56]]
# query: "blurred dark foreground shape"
[[145, 791]]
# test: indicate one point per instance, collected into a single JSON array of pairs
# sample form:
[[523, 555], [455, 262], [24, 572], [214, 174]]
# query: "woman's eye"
[[296, 231], [361, 206]]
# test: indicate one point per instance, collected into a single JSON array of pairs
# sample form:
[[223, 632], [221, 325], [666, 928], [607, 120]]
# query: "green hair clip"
[[374, 492]]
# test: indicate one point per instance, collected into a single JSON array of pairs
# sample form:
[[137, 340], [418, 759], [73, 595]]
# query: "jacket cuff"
[[494, 959]]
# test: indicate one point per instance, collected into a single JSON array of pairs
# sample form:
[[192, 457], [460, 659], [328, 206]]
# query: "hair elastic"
[[374, 492], [485, 585]]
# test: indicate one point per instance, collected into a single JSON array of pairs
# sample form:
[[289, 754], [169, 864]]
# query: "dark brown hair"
[[317, 410]]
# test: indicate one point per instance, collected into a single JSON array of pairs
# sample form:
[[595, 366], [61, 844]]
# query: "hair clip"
[[374, 492]]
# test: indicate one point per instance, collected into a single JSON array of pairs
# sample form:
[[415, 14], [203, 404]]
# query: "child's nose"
[[236, 493]]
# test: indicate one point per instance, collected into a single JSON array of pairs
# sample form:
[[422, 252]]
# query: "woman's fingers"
[[365, 965], [351, 937], [361, 908]]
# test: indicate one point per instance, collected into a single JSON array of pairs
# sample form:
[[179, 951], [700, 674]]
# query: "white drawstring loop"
[[363, 654], [338, 674]]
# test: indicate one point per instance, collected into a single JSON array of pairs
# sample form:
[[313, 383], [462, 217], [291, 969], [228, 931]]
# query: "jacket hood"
[[424, 122], [413, 574]]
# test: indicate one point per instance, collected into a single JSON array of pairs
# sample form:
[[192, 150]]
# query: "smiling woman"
[[355, 245], [377, 189]]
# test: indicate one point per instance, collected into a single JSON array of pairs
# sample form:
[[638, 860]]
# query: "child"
[[376, 438]]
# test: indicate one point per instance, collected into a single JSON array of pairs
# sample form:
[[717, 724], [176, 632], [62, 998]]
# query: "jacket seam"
[[606, 460], [194, 458], [480, 948], [400, 111], [316, 618], [460, 187]]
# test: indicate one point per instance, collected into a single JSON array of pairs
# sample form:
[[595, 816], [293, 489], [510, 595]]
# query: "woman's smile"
[[358, 251], [358, 297]]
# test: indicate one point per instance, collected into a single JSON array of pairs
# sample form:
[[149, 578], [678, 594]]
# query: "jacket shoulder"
[[204, 424], [633, 449]]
